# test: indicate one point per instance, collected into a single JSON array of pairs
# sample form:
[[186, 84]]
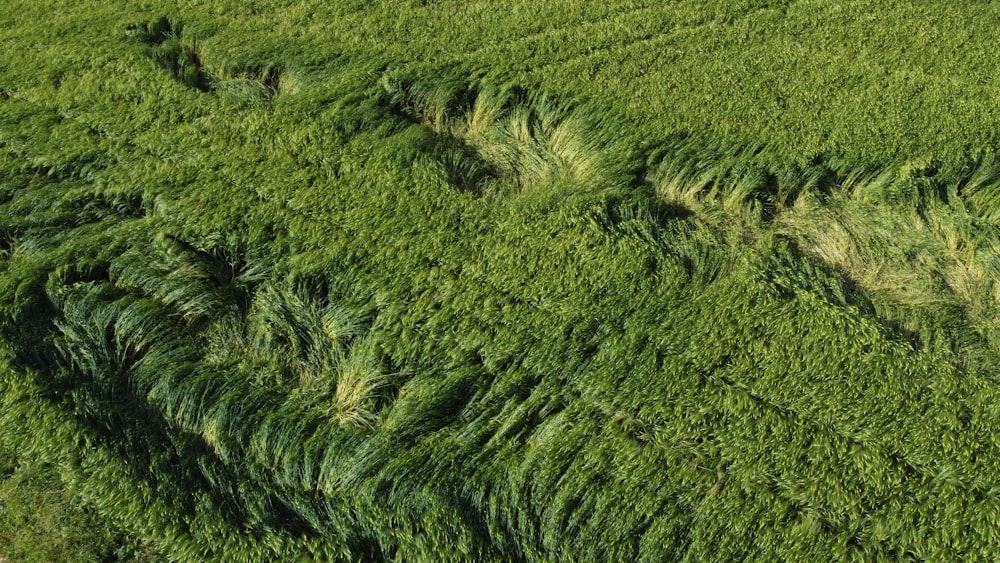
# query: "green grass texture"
[[470, 281]]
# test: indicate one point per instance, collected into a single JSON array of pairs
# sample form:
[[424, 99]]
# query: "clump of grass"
[[175, 51], [181, 53], [981, 190], [360, 387], [251, 84], [311, 346], [527, 142], [725, 194]]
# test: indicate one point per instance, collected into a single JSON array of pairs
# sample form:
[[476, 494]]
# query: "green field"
[[499, 281]]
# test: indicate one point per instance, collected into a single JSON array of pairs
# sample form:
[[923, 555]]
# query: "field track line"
[[358, 41], [588, 24], [617, 20], [649, 39]]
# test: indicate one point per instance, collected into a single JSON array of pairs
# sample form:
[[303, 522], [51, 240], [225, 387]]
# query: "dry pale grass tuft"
[[360, 383]]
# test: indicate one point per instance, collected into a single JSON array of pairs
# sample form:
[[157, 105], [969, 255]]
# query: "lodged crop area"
[[494, 281]]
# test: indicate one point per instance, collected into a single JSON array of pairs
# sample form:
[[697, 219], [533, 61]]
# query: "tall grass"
[[528, 142], [292, 333], [360, 388]]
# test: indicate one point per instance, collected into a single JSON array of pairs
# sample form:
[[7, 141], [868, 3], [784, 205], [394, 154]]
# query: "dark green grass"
[[41, 521]]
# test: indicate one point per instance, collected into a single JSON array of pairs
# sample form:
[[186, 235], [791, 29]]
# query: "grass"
[[359, 388], [503, 137], [41, 520], [470, 282]]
